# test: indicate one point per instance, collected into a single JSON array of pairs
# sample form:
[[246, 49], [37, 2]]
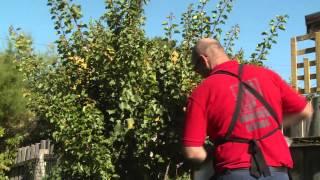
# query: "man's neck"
[[221, 60]]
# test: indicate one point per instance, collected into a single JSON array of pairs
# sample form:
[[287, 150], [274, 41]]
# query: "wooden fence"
[[301, 130], [33, 162], [306, 64]]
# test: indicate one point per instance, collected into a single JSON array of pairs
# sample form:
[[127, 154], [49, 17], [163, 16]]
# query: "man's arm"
[[194, 133], [292, 119]]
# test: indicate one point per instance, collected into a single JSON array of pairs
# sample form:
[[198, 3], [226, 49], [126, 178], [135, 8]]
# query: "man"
[[241, 109]]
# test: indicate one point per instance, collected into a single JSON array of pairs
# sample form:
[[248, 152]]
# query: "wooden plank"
[[294, 62], [301, 90], [306, 76], [312, 90], [43, 144], [33, 151], [36, 153], [19, 155], [23, 154], [28, 153], [51, 151], [48, 143], [305, 37], [41, 165], [318, 60], [306, 51], [311, 76], [311, 63]]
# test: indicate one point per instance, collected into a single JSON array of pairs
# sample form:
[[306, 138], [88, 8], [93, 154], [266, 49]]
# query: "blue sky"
[[253, 17]]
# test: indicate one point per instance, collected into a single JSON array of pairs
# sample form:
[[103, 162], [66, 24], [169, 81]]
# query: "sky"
[[252, 16]]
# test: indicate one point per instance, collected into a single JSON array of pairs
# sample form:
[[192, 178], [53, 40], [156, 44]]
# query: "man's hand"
[[196, 155]]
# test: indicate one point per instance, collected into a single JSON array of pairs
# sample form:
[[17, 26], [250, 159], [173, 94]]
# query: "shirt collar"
[[224, 65]]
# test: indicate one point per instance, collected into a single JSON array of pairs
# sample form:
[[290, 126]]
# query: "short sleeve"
[[292, 101], [195, 125]]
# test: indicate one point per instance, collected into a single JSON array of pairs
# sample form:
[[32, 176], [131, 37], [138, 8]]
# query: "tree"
[[114, 100], [13, 117], [18, 124]]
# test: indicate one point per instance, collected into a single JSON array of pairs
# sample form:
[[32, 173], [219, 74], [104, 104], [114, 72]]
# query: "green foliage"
[[13, 118], [269, 38], [113, 100], [198, 23], [11, 104], [229, 39]]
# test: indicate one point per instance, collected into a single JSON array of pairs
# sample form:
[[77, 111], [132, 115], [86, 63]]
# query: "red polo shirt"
[[211, 106]]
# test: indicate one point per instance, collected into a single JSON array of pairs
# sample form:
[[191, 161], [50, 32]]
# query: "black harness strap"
[[238, 102], [258, 163]]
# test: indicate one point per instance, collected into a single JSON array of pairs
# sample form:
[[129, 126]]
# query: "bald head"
[[204, 43], [208, 53], [202, 46]]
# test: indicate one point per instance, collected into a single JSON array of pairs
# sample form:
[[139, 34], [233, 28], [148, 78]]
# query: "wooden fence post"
[[33, 151], [294, 63], [317, 44], [306, 65], [41, 164], [17, 170]]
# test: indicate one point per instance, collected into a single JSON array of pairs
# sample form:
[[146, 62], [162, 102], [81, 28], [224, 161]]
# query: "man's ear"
[[205, 60]]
